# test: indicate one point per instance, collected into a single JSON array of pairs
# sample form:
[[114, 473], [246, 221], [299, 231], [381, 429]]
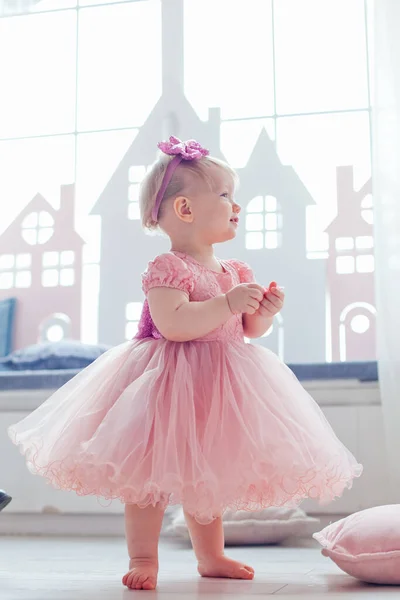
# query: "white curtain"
[[386, 176]]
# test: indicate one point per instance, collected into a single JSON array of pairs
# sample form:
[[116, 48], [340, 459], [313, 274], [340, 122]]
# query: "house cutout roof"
[[349, 220], [64, 230], [265, 167], [144, 148]]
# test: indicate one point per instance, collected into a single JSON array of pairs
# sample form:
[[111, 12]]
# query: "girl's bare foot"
[[208, 544], [142, 574], [142, 526], [222, 566]]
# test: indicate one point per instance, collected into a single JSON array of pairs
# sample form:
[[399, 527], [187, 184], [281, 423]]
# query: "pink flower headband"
[[190, 150]]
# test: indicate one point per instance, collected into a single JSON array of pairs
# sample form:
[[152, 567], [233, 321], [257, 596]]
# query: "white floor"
[[91, 569]]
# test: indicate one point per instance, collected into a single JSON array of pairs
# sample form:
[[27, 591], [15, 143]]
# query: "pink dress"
[[209, 424]]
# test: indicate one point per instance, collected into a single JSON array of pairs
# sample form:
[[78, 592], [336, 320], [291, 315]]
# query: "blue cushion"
[[363, 371], [5, 499], [7, 312], [67, 354]]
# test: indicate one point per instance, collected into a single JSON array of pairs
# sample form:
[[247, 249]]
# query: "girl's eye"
[[225, 195]]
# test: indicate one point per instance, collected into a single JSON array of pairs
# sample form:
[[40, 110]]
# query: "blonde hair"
[[186, 170]]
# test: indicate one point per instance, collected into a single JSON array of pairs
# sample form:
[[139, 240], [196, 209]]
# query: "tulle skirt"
[[208, 425]]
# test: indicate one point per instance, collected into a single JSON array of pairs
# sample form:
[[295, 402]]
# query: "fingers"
[[253, 303], [273, 300], [267, 309], [267, 301], [256, 291], [276, 292], [275, 295], [276, 301], [256, 286], [256, 295], [274, 288]]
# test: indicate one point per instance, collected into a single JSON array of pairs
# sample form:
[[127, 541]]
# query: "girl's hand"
[[272, 301], [245, 298]]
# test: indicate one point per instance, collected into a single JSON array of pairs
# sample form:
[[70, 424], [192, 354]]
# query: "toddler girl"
[[187, 412]]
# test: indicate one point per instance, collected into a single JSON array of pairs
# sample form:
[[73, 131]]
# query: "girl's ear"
[[182, 209]]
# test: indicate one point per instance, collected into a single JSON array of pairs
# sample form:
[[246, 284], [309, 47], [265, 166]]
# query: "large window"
[[94, 93], [38, 73], [119, 63]]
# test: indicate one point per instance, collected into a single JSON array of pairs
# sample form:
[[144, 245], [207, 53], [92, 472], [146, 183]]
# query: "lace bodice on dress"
[[182, 272]]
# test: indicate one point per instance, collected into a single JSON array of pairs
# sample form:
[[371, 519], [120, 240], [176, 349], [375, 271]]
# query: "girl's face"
[[215, 212]]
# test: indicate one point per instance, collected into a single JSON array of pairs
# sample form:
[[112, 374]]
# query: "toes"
[[130, 580], [141, 582], [149, 584], [135, 581], [247, 573]]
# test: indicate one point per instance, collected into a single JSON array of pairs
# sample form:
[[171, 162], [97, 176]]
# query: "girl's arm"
[[179, 320], [254, 326]]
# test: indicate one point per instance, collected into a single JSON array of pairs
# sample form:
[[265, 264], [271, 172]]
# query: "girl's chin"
[[230, 235]]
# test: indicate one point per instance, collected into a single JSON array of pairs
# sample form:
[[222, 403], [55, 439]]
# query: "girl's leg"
[[208, 545], [142, 527]]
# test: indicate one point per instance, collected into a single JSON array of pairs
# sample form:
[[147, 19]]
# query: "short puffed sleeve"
[[245, 272], [170, 271]]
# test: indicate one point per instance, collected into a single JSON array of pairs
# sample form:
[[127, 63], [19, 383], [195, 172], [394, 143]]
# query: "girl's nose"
[[236, 208]]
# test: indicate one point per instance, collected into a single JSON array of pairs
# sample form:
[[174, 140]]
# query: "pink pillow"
[[366, 545]]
